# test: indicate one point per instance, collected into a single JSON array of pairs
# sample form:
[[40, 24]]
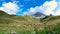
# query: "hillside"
[[2, 13], [28, 25]]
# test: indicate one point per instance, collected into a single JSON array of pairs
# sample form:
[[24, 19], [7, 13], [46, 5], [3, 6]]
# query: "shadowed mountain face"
[[2, 13], [38, 14]]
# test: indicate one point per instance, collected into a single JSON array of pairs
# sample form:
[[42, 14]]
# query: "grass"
[[29, 25]]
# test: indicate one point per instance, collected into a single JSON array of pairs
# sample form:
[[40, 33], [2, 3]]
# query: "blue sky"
[[22, 7]]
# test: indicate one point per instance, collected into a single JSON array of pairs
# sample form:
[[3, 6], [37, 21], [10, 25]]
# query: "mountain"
[[13, 24], [38, 14], [2, 13]]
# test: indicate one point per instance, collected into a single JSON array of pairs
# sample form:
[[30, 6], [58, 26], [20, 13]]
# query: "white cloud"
[[58, 12], [32, 9], [25, 13], [47, 8], [35, 9], [10, 7]]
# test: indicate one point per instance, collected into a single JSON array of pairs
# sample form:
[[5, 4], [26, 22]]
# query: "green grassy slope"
[[52, 24], [28, 25]]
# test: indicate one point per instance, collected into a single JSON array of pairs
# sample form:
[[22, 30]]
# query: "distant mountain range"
[[38, 14]]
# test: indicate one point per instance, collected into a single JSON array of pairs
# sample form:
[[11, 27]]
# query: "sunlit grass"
[[29, 25]]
